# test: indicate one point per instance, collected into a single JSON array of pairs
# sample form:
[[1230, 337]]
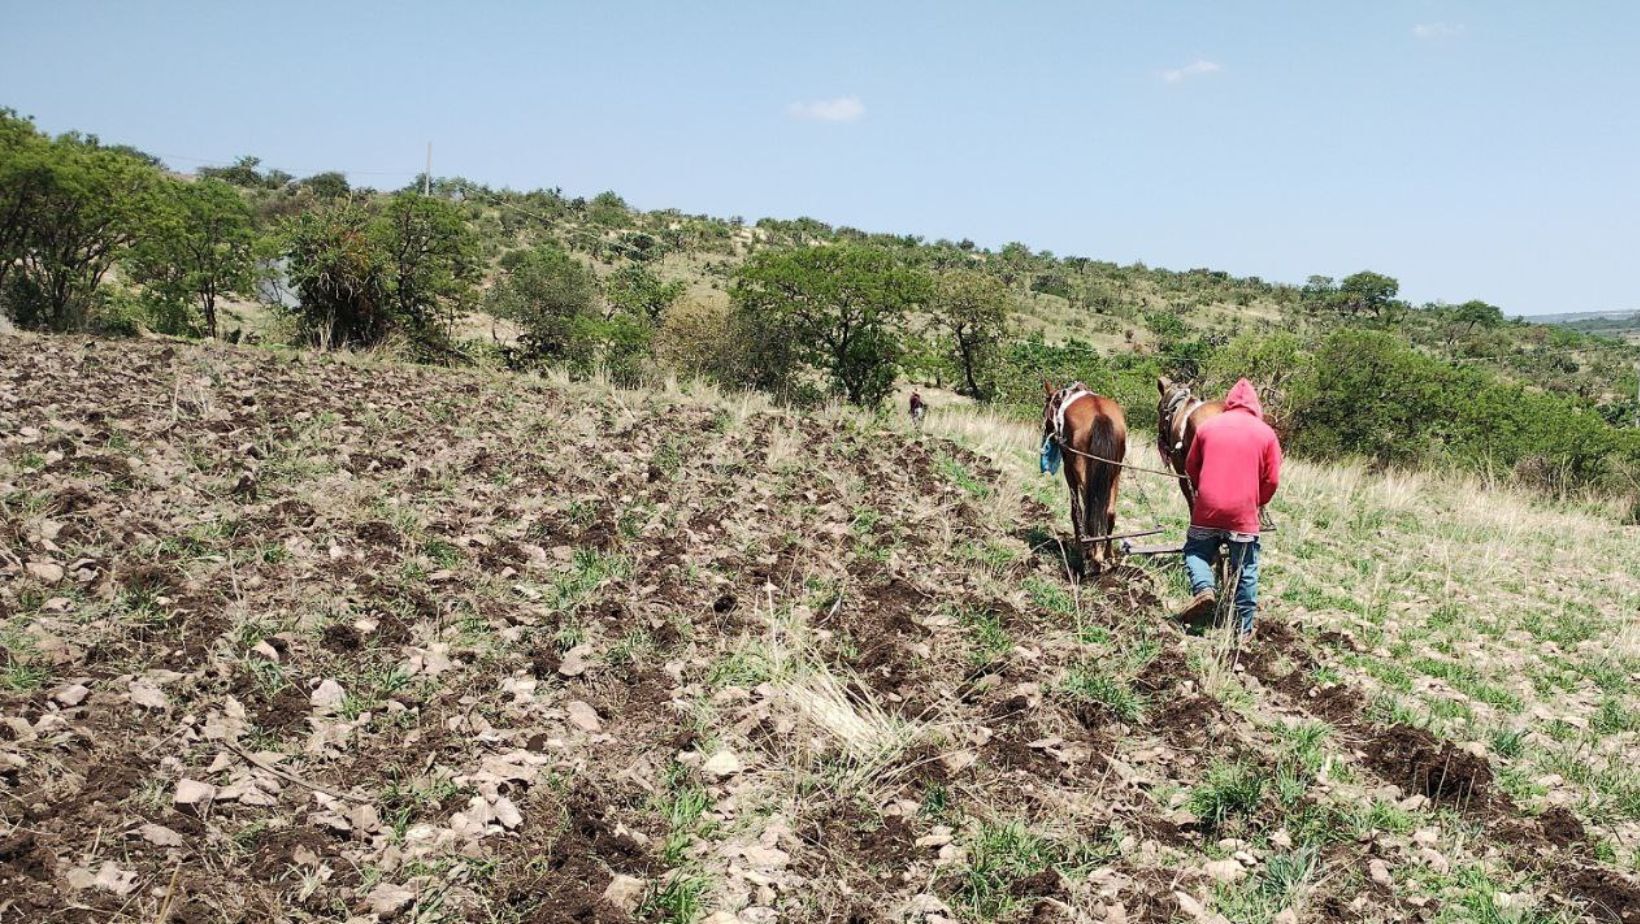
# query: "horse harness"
[[1179, 408], [1062, 400]]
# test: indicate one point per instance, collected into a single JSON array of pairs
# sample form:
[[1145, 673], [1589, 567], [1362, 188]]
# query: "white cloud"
[[1429, 31], [841, 109], [1196, 68]]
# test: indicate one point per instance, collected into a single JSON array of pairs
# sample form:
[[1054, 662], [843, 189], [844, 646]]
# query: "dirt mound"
[[1561, 827], [1420, 763], [1606, 896]]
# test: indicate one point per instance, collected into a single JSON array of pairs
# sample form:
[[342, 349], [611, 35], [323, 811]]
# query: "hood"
[[1243, 397]]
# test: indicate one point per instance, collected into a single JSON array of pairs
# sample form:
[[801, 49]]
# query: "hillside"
[[1620, 324], [104, 239], [309, 637]]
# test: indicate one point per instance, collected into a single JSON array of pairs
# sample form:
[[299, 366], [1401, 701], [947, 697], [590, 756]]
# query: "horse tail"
[[1107, 440]]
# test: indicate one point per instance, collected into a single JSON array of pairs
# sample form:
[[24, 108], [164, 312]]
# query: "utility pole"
[[1637, 393], [427, 177]]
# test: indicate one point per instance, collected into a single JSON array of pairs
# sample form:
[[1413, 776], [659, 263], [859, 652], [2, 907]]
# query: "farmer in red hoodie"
[[1235, 464]]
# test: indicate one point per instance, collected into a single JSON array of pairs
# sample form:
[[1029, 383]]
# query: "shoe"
[[1200, 607]]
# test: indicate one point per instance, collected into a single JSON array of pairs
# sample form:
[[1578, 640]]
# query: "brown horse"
[[1178, 415], [1094, 430]]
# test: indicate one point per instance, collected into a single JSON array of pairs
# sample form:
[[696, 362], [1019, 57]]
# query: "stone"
[[193, 793], [507, 813], [71, 695], [160, 836], [388, 900], [327, 696], [574, 663], [625, 892], [583, 716], [722, 764], [47, 571], [1225, 871], [765, 857], [148, 696], [1379, 872]]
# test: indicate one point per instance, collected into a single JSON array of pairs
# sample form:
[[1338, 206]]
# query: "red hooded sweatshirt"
[[1235, 464]]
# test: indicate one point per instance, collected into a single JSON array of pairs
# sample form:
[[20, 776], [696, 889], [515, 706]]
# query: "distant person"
[[918, 408], [1235, 465]]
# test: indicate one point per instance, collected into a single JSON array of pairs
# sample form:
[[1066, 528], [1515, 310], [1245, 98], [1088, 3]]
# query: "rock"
[[1189, 905], [160, 836], [148, 696], [574, 663], [1379, 872], [957, 761], [924, 906], [71, 695], [720, 917], [507, 813], [193, 793], [1285, 916], [1115, 913], [109, 878], [388, 900], [328, 696], [583, 716], [1226, 871], [1434, 859], [625, 892], [47, 571], [765, 857], [722, 764]]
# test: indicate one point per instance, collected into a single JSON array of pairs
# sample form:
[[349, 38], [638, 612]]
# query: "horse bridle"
[[1176, 401]]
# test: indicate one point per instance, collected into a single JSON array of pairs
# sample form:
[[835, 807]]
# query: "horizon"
[[1468, 150]]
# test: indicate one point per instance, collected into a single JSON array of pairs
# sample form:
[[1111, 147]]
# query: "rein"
[[1137, 468]]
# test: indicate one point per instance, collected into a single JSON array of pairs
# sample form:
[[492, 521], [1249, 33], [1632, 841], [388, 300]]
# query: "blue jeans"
[[1201, 554]]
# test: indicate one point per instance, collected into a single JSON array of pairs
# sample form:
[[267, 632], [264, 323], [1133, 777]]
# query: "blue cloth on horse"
[[1050, 456]]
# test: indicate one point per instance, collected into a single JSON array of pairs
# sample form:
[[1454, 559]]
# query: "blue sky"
[[1471, 149]]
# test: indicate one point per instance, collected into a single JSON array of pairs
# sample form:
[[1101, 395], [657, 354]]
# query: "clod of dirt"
[[1606, 896], [1418, 762], [341, 638], [1561, 827]]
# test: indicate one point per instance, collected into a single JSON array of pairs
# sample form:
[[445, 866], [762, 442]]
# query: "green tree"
[[1320, 293], [549, 294], [1475, 313], [972, 307], [635, 290], [24, 171], [199, 247], [328, 185], [608, 209], [78, 208], [242, 172], [338, 270], [1367, 292], [835, 308], [432, 259], [1368, 392]]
